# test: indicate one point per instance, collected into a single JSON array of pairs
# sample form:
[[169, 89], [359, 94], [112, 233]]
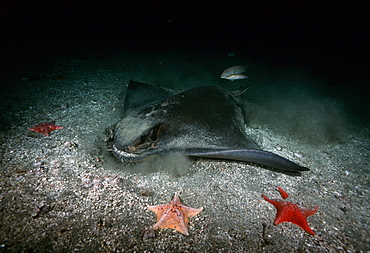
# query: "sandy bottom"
[[65, 192]]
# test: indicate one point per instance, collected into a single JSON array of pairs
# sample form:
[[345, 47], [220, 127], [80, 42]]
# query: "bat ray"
[[204, 121]]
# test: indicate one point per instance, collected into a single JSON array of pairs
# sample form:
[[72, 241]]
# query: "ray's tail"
[[252, 155]]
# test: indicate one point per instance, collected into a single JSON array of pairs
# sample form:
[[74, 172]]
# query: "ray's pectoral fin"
[[255, 156]]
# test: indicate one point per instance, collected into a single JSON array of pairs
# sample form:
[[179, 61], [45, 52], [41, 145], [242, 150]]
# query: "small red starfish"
[[45, 128], [290, 212], [174, 215]]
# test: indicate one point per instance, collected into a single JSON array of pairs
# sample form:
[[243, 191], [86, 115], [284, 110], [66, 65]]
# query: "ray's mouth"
[[147, 141]]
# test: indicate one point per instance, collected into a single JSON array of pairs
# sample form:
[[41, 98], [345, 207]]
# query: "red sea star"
[[174, 215], [290, 212], [45, 128]]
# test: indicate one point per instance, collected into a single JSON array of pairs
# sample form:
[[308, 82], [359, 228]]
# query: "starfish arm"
[[162, 215], [159, 210], [176, 199], [283, 193], [272, 201], [156, 208], [304, 225], [190, 212], [309, 212], [54, 127], [183, 227]]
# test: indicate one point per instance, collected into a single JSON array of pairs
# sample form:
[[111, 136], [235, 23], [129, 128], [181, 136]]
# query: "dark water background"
[[328, 41]]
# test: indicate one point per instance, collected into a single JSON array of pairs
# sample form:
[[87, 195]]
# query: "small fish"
[[236, 77], [234, 73]]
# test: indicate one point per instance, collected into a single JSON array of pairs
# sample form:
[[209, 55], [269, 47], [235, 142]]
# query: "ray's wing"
[[140, 95]]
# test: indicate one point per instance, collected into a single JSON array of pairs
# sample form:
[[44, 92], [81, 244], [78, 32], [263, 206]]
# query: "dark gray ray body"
[[203, 121]]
